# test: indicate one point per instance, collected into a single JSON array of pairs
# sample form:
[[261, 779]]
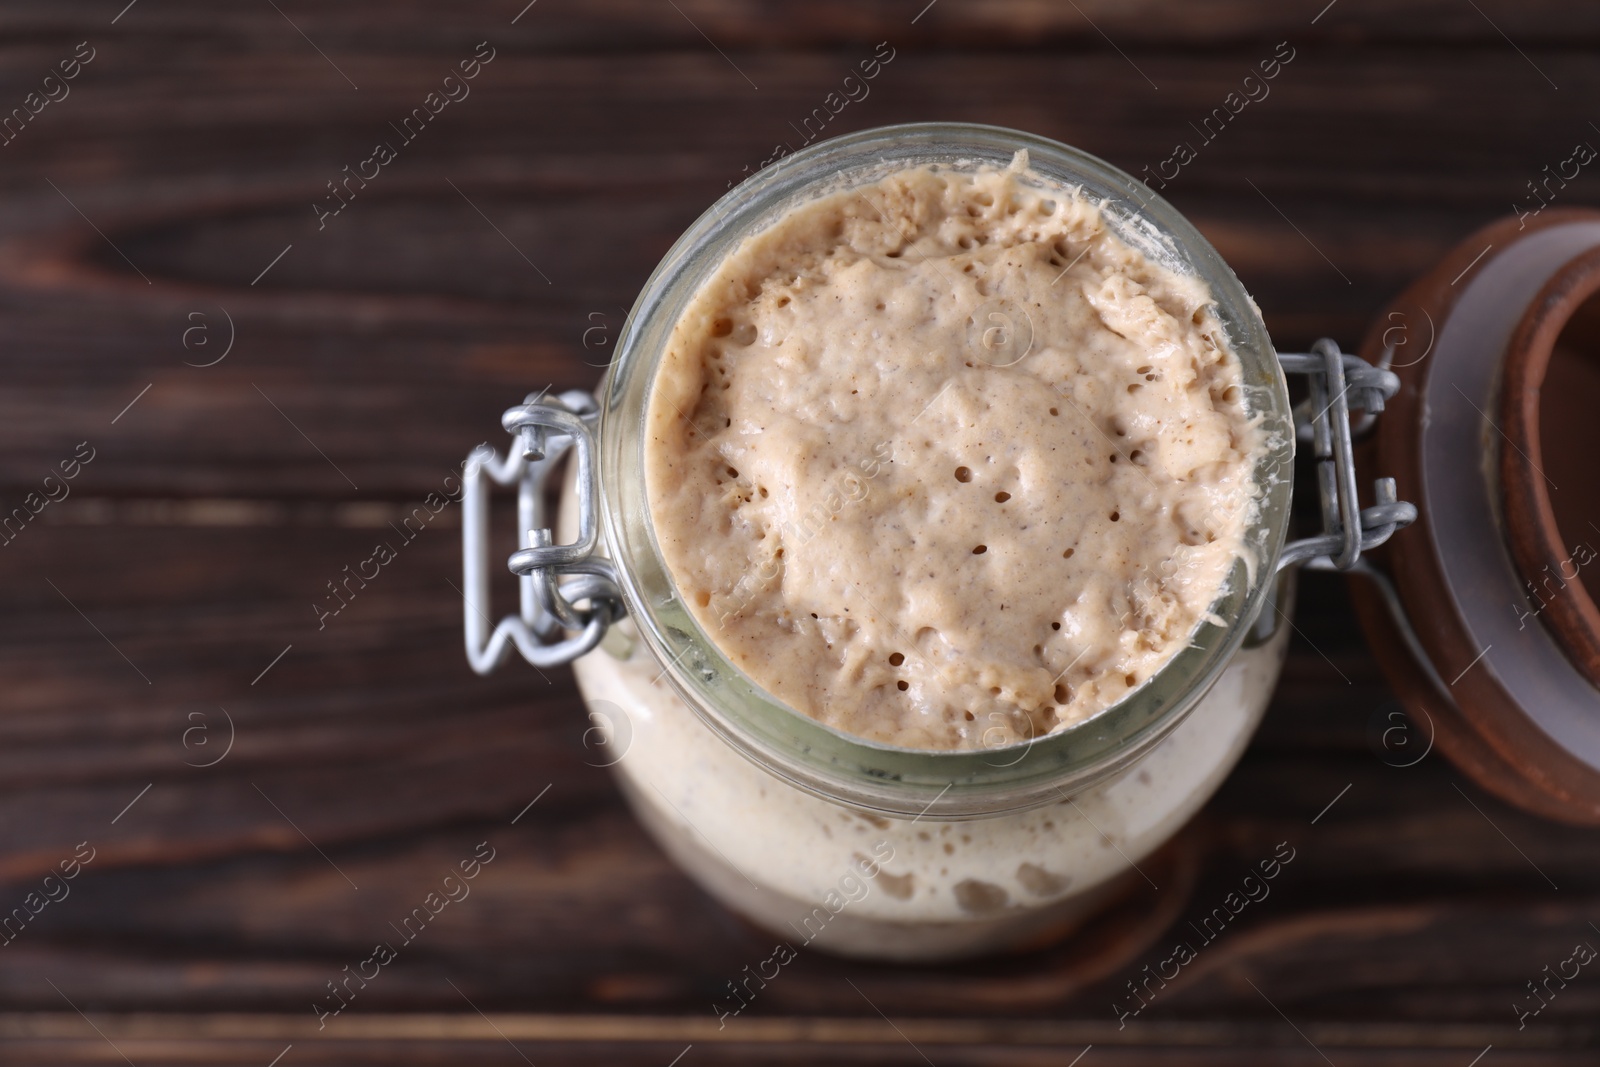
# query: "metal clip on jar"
[[865, 848]]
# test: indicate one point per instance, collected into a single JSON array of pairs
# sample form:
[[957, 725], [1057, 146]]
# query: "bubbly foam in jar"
[[943, 462]]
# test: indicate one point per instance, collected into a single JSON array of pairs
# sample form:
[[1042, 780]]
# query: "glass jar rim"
[[825, 761]]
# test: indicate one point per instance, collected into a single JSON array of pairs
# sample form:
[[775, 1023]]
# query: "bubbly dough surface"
[[942, 462]]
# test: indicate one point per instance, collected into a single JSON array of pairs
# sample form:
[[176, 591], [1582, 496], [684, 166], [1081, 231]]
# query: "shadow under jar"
[[872, 849]]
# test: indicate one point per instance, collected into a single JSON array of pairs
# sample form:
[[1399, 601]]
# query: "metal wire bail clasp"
[[569, 595], [1340, 382]]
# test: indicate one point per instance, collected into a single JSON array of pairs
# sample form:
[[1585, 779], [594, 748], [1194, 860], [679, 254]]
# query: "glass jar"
[[868, 849]]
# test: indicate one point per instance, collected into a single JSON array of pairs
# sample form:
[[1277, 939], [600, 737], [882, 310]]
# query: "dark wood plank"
[[367, 727], [369, 28], [410, 310], [394, 760]]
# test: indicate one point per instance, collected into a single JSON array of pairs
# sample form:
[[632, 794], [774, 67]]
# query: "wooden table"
[[266, 389]]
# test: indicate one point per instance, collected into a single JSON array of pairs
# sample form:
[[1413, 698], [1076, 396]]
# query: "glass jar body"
[[869, 849], [856, 883]]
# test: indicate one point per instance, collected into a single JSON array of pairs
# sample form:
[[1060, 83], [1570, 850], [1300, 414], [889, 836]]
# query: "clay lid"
[[1510, 683], [1551, 497]]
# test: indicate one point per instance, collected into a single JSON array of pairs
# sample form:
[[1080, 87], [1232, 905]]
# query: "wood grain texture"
[[377, 27], [589, 167], [499, 253]]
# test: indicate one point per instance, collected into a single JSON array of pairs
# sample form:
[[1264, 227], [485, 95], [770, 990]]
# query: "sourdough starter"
[[944, 463]]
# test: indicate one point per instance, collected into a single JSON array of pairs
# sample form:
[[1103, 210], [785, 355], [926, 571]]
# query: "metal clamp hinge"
[[1339, 383], [569, 594]]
